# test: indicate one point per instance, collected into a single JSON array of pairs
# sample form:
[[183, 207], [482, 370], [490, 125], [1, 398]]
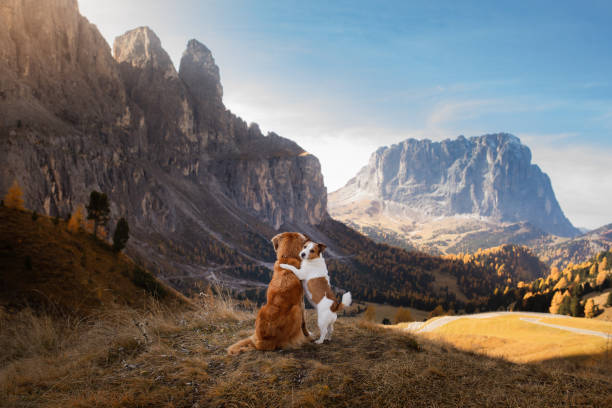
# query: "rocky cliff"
[[203, 190], [489, 176]]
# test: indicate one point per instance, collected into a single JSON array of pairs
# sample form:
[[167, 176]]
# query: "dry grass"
[[43, 264], [581, 323], [388, 311], [163, 357]]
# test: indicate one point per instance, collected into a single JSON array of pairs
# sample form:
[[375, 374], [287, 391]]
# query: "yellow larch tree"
[[76, 219], [403, 315], [556, 302], [601, 276], [590, 310], [14, 197]]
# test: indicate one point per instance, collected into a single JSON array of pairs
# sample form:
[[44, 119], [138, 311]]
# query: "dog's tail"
[[241, 346], [346, 302]]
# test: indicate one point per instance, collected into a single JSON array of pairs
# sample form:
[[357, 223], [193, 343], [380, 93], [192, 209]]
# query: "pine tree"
[[576, 309], [98, 210], [122, 234], [14, 197], [564, 307]]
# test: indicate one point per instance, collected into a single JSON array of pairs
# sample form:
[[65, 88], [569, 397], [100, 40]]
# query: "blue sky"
[[343, 78]]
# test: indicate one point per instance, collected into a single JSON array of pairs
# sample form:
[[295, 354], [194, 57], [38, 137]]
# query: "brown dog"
[[280, 322]]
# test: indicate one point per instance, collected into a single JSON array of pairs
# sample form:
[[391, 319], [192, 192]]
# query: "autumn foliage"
[[403, 315], [77, 219], [14, 197]]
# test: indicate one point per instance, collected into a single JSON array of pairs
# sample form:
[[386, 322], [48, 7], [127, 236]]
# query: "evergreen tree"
[[121, 236], [564, 308], [576, 308], [98, 210]]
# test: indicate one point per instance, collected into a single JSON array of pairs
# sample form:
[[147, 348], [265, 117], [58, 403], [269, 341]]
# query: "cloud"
[[580, 178]]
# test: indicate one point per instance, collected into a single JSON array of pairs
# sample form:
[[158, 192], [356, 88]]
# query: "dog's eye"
[[311, 251]]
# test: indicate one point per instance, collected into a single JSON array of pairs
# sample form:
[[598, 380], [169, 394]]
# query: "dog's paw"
[[320, 341]]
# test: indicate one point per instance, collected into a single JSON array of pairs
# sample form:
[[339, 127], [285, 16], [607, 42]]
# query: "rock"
[[490, 176], [198, 185]]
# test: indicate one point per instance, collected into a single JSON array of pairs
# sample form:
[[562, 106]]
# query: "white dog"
[[315, 279]]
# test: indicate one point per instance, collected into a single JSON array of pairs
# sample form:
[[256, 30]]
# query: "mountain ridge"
[[484, 176]]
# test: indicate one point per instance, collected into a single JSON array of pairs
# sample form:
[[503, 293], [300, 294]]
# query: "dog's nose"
[[302, 254]]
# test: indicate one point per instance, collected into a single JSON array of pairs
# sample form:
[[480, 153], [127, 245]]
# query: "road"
[[530, 317]]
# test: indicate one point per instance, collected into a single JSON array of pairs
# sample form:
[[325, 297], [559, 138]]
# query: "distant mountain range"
[[457, 196]]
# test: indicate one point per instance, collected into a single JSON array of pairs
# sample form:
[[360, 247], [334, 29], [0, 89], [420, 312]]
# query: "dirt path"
[[571, 329], [424, 327]]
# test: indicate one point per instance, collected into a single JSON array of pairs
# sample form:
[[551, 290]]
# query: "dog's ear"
[[275, 240], [322, 248]]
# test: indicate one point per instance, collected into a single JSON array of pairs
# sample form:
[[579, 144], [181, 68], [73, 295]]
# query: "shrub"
[[34, 215], [403, 315], [370, 313], [386, 321], [438, 311], [146, 281]]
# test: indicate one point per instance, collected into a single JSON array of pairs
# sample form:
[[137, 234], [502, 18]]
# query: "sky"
[[343, 78]]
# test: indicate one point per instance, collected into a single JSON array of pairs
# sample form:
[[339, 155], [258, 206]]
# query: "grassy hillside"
[[522, 337], [45, 266], [179, 360]]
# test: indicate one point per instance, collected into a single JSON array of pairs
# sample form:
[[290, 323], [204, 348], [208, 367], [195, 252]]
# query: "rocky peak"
[[490, 176], [142, 48], [201, 74], [52, 59]]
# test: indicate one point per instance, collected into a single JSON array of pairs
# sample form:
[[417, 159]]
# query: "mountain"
[[560, 252], [202, 190], [452, 196]]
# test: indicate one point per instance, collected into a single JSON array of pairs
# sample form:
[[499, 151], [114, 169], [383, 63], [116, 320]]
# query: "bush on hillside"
[[146, 281]]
